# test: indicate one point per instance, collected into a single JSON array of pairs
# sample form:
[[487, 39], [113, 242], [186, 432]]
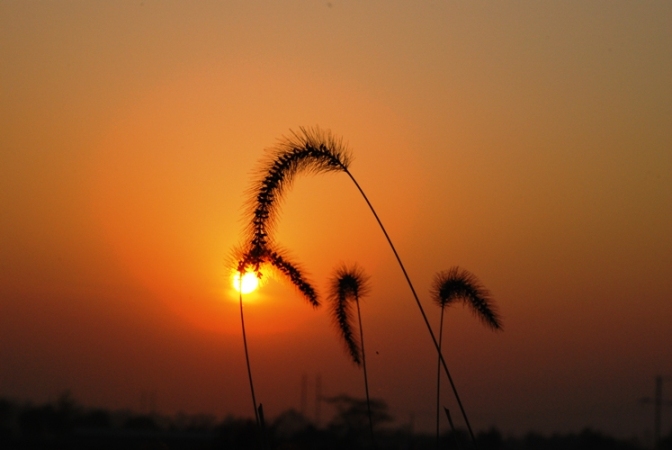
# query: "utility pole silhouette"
[[658, 404], [304, 394], [318, 399]]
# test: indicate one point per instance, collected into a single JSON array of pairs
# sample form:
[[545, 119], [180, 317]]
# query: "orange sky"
[[528, 143]]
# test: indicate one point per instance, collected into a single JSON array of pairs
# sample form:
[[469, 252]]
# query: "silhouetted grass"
[[309, 150], [247, 357], [348, 285], [454, 285]]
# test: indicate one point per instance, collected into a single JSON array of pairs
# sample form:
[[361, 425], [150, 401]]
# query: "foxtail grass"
[[311, 151], [349, 285], [454, 285], [314, 151], [247, 358]]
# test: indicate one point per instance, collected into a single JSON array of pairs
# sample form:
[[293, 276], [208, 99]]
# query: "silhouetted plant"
[[453, 285], [247, 354], [258, 408], [316, 151], [346, 286], [310, 151]]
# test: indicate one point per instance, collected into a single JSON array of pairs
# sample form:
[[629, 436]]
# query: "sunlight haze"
[[527, 142]]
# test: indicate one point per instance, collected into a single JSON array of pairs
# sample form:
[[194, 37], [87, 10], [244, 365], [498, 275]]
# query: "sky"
[[527, 142]]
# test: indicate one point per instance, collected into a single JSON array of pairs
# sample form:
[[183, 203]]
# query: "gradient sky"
[[528, 142]]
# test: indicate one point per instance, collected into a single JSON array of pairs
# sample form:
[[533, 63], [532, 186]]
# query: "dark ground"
[[66, 425]]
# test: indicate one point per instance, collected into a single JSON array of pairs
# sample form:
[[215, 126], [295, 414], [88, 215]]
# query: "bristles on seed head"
[[346, 286], [310, 150], [459, 284], [256, 258]]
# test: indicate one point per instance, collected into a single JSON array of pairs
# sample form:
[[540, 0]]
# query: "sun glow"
[[248, 284]]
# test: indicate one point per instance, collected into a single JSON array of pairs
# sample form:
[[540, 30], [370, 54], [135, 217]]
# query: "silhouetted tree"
[[351, 420]]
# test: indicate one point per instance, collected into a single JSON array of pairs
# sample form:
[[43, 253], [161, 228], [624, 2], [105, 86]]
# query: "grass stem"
[[247, 356], [438, 383], [366, 377], [417, 301]]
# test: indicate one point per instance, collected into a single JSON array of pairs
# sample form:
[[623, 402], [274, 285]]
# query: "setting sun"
[[248, 284]]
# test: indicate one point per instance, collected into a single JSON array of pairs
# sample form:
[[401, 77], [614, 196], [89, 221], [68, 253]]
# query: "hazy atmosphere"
[[527, 142]]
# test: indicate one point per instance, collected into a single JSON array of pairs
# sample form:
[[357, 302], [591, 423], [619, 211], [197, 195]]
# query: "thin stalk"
[[438, 381], [262, 428], [417, 301], [366, 378], [247, 355], [452, 428]]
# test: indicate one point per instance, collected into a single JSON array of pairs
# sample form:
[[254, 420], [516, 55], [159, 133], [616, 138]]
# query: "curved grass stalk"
[[247, 354], [350, 284], [448, 287], [311, 151], [422, 311], [315, 151], [438, 385]]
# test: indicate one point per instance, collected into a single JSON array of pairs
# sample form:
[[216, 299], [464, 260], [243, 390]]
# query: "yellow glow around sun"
[[250, 282]]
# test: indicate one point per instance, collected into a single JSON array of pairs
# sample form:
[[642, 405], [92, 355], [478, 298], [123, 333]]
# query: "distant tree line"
[[64, 425]]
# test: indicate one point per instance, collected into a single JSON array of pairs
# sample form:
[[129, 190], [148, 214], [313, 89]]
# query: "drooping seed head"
[[310, 150], [294, 273], [346, 286], [458, 284], [277, 259]]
